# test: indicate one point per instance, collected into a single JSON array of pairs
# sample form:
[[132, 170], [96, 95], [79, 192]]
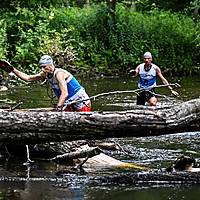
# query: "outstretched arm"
[[165, 82], [27, 77], [6, 66]]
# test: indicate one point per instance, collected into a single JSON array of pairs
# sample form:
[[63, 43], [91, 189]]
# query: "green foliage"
[[170, 37], [173, 5], [11, 5], [3, 39], [101, 41], [30, 35]]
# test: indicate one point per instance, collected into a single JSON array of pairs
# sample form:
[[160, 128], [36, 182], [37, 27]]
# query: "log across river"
[[40, 125]]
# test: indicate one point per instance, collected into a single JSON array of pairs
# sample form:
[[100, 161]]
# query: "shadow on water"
[[39, 181]]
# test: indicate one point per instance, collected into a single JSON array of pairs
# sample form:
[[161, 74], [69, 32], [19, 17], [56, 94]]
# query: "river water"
[[18, 181]]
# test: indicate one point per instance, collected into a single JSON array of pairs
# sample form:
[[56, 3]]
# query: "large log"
[[33, 126]]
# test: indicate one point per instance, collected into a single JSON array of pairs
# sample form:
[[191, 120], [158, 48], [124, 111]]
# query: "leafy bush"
[[171, 38], [102, 42], [3, 39]]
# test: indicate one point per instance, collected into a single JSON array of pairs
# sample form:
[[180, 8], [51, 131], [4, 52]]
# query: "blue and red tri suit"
[[75, 92]]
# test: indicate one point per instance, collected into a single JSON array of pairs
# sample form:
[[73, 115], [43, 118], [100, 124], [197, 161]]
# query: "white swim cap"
[[46, 60], [147, 55]]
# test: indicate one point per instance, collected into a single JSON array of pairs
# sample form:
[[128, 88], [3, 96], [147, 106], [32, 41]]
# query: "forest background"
[[102, 37]]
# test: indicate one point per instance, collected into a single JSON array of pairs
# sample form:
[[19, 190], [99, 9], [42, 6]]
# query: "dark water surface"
[[39, 181]]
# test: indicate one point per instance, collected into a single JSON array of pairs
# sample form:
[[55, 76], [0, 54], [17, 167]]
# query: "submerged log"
[[129, 179], [152, 178], [33, 126]]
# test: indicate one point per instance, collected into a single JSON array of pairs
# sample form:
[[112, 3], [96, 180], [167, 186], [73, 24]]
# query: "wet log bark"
[[152, 178], [32, 126], [82, 153], [130, 179]]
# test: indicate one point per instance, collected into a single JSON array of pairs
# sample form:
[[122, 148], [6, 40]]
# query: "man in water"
[[148, 72], [63, 83]]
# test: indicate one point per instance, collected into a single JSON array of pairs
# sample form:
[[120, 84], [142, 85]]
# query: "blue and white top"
[[147, 78], [75, 90], [73, 85]]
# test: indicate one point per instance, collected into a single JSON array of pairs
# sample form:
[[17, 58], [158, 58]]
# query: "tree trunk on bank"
[[33, 126]]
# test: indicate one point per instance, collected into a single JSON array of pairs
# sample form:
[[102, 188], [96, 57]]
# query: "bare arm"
[[165, 82], [61, 78], [27, 77]]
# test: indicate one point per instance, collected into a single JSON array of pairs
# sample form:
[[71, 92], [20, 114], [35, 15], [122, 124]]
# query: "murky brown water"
[[40, 182]]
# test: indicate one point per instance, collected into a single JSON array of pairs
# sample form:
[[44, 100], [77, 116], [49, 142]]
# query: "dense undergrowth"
[[101, 43]]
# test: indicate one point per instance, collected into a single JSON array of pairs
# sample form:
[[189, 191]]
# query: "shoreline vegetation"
[[93, 41]]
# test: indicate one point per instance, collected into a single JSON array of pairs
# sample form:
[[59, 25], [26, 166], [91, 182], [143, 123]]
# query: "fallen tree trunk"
[[82, 153], [33, 126]]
